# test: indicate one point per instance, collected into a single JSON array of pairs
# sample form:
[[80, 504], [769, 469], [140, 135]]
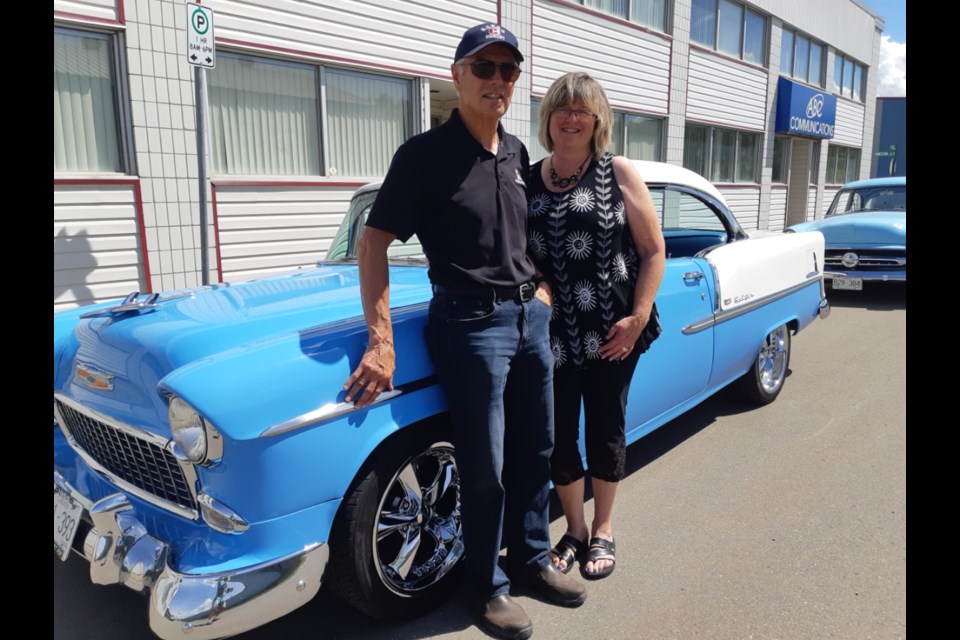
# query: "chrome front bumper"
[[868, 276], [195, 606]]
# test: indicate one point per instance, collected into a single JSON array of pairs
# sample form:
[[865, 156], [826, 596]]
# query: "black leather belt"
[[522, 293]]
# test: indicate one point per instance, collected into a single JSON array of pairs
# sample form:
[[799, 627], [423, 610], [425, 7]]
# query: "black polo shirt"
[[467, 206]]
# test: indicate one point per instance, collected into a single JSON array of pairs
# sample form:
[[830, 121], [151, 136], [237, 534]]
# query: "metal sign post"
[[202, 54]]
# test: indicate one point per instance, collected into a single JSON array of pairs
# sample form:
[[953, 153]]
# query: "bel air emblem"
[[93, 378]]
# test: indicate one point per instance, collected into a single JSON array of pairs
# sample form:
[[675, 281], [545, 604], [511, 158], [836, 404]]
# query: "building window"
[[86, 115], [801, 57], [650, 13], [634, 136], [266, 118], [781, 160], [843, 164], [847, 78], [722, 155], [731, 28]]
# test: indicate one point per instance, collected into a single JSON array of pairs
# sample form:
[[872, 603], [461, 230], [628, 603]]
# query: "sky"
[[893, 47]]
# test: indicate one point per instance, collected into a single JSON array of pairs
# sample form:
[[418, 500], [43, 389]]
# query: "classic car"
[[865, 233], [204, 456]]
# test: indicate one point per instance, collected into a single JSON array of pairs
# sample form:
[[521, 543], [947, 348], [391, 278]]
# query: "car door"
[[673, 375]]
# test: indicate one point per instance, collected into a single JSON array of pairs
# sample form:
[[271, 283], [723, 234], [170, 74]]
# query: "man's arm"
[[375, 371]]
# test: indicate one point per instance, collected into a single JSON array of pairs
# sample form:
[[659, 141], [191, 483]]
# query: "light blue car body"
[[869, 244], [263, 362]]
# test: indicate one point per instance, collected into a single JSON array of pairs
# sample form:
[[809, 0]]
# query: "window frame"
[[628, 12], [121, 98], [711, 168], [745, 12], [857, 78], [319, 71], [812, 44], [837, 152]]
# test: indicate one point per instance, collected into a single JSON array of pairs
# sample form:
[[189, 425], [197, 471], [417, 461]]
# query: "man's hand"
[[544, 293], [373, 375]]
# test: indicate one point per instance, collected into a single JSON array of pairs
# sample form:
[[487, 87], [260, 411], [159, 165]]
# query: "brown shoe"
[[504, 618], [554, 585]]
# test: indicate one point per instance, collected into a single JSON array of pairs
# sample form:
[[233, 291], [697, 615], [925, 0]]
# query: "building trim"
[[725, 125], [216, 230], [310, 55], [727, 56], [137, 205], [230, 182]]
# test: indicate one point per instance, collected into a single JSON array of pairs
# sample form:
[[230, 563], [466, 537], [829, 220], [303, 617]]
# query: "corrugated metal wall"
[[265, 230], [725, 92], [778, 209], [744, 203], [633, 65], [96, 248]]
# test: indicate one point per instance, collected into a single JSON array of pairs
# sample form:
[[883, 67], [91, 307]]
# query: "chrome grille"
[[142, 464], [875, 258]]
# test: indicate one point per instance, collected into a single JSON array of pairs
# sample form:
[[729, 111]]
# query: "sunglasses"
[[484, 69]]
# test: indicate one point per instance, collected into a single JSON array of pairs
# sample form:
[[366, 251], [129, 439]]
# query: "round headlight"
[[188, 430]]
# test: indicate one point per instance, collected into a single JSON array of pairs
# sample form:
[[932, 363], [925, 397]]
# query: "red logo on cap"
[[494, 31]]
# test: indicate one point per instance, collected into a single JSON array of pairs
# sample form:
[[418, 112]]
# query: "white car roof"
[[651, 172]]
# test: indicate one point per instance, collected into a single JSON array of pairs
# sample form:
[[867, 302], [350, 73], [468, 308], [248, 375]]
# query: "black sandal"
[[568, 550], [600, 549]]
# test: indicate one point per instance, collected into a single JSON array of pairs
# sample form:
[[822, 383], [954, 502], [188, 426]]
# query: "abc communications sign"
[[804, 111]]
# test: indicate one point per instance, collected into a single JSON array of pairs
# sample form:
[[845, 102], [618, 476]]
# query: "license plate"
[[66, 517], [852, 284]]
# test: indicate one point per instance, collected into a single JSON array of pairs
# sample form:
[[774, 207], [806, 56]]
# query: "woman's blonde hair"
[[579, 88]]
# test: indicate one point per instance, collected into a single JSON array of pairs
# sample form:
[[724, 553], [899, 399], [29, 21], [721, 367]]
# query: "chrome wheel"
[[772, 361], [765, 378], [417, 524]]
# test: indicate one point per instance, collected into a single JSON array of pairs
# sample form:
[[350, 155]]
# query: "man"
[[460, 188]]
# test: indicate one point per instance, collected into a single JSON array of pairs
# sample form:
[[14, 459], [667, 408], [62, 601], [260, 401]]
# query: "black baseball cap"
[[483, 35]]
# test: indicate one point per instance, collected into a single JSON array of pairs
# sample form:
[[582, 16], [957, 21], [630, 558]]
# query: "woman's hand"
[[622, 336]]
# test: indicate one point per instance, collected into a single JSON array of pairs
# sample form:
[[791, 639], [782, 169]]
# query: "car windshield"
[[878, 198], [344, 244]]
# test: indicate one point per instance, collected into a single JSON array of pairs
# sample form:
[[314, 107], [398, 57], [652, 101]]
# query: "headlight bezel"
[[198, 440]]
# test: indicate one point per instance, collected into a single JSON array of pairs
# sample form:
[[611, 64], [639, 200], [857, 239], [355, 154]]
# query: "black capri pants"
[[602, 385]]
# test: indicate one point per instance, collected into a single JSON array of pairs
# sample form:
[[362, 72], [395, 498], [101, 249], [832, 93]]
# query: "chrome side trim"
[[333, 410], [219, 605], [189, 471], [328, 411], [724, 316]]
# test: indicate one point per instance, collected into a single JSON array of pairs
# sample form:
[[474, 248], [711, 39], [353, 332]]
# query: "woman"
[[595, 235]]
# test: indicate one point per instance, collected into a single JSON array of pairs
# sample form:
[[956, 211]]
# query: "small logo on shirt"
[[519, 179]]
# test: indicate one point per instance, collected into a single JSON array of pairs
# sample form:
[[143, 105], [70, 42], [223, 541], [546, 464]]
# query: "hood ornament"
[[129, 304]]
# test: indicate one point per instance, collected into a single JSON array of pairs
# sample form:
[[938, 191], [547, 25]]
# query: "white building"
[[773, 100]]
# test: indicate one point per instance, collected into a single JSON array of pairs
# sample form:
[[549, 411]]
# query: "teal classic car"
[[203, 453], [865, 231]]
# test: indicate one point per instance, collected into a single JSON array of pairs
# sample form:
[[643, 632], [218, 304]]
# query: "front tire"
[[764, 381], [397, 542]]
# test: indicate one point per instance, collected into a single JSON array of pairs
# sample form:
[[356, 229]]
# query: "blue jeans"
[[495, 366]]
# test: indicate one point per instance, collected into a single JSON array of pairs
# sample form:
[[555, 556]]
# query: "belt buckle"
[[527, 291]]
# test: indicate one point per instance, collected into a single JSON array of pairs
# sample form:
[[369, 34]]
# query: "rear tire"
[[396, 544], [764, 381]]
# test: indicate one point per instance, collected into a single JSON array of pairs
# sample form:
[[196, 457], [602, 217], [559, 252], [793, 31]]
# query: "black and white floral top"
[[582, 244]]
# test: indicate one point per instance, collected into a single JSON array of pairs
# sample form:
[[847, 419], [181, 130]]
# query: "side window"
[[689, 223]]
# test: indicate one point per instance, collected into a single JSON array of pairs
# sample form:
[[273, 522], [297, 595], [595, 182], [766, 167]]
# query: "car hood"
[[878, 228], [227, 347]]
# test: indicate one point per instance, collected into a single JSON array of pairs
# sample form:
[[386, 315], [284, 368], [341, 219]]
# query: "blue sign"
[[804, 111]]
